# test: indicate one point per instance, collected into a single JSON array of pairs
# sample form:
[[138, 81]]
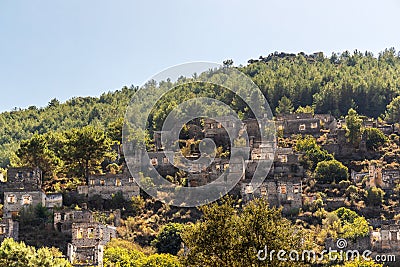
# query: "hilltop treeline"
[[332, 84]]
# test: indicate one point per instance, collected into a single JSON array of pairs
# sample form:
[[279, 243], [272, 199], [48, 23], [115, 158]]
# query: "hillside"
[[332, 85], [77, 112]]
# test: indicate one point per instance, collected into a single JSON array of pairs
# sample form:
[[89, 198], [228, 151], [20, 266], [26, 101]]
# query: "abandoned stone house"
[[23, 188], [285, 193], [222, 129], [64, 219], [357, 177], [287, 164], [303, 123], [14, 201], [262, 151], [256, 129], [387, 239], [161, 162], [23, 178], [53, 200], [338, 145], [107, 185], [328, 121], [9, 229], [374, 123], [385, 178], [88, 241], [360, 243], [223, 169], [282, 186]]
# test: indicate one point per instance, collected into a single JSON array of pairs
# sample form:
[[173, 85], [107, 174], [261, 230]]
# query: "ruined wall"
[[389, 238], [53, 200], [110, 184], [23, 178], [63, 220], [91, 234], [9, 229], [278, 193], [14, 201]]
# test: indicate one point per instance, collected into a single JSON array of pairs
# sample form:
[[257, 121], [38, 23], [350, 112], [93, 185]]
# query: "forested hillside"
[[18, 125], [331, 84]]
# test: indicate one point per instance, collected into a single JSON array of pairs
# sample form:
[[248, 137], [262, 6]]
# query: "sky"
[[65, 48]]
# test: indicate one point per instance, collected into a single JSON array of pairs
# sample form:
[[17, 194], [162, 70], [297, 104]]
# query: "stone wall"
[[88, 241], [14, 201], [389, 239], [24, 178], [287, 194], [64, 219], [53, 200], [109, 184], [361, 244], [9, 229]]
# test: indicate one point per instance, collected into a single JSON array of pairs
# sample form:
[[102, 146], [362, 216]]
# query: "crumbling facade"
[[385, 178], [282, 186], [88, 241], [388, 238], [64, 219], [9, 229], [107, 185], [302, 123], [287, 194], [223, 129], [23, 188]]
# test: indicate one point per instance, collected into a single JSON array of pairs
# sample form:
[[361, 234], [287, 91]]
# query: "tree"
[[169, 239], [359, 228], [226, 237], [124, 253], [18, 254], [285, 106], [353, 124], [306, 109], [353, 225], [374, 196], [87, 148], [346, 215], [331, 171], [228, 63], [161, 260], [375, 138], [53, 103], [35, 152], [119, 256], [393, 111], [345, 223], [312, 152], [114, 131]]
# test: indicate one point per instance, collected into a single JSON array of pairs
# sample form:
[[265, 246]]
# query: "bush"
[[169, 239], [124, 253], [18, 254], [374, 196], [375, 138], [312, 152], [331, 171]]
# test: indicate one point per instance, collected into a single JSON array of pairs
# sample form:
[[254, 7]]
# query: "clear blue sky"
[[65, 48]]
